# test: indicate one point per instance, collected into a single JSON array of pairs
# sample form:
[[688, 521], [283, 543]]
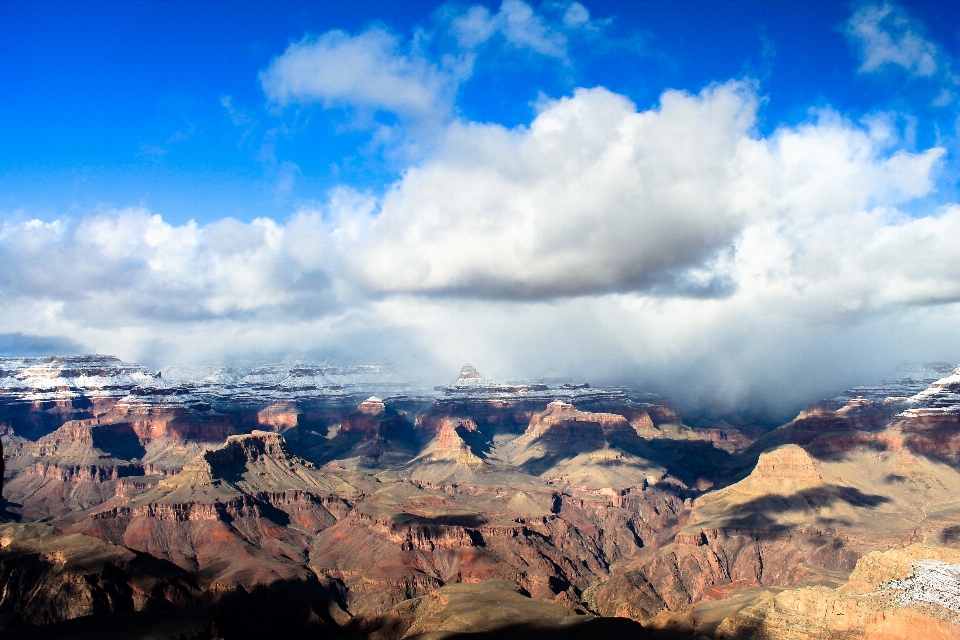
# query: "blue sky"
[[710, 197], [121, 103]]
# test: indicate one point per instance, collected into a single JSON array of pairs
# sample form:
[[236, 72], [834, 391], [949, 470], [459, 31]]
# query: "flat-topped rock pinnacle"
[[372, 406], [787, 463], [469, 371]]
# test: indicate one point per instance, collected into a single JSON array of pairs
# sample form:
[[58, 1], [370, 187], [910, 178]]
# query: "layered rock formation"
[[67, 471], [902, 593], [358, 497], [584, 449], [45, 577], [37, 395], [403, 541], [241, 514], [864, 476], [373, 436], [81, 464], [486, 607], [448, 459]]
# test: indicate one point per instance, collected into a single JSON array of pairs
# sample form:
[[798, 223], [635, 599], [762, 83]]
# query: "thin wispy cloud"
[[380, 70], [520, 27], [373, 70], [889, 39], [886, 36]]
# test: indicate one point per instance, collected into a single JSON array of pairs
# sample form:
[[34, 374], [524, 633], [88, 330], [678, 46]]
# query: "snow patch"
[[931, 581]]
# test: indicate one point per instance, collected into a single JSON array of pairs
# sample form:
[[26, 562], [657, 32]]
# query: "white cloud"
[[673, 247], [576, 15], [520, 26], [238, 117], [886, 36], [369, 71], [379, 71], [595, 197], [122, 267]]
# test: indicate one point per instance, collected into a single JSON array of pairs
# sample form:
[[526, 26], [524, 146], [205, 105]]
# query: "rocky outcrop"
[[239, 514], [902, 593], [279, 416], [366, 420], [449, 440], [794, 519], [592, 451], [46, 578], [493, 416], [927, 424], [942, 396], [374, 435], [470, 381], [584, 498], [563, 423], [155, 413], [783, 471], [474, 608], [449, 446], [34, 418]]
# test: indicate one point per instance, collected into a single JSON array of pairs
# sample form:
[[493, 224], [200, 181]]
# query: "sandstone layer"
[[903, 593]]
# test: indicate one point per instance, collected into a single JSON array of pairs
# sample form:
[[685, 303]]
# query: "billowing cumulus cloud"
[[595, 197], [673, 247], [122, 267]]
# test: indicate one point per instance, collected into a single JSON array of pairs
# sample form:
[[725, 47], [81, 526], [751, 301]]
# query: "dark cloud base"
[[19, 344]]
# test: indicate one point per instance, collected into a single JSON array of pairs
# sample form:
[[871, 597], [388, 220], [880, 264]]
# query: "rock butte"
[[302, 499]]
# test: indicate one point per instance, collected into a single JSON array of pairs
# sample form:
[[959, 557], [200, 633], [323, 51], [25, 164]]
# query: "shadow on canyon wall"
[[118, 440], [605, 628], [207, 623], [762, 513], [283, 609], [297, 610]]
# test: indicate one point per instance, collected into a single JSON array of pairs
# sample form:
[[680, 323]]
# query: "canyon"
[[319, 501]]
